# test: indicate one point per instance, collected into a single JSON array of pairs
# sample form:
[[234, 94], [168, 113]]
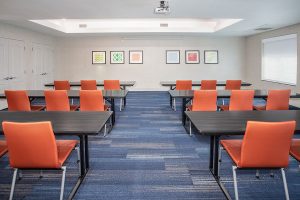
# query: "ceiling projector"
[[163, 8]]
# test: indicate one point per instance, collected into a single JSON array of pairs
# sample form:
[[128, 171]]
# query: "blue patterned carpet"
[[149, 156]]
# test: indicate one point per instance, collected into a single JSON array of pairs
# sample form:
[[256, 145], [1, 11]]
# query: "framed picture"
[[192, 57], [173, 57], [117, 57], [211, 57], [136, 57], [98, 57]]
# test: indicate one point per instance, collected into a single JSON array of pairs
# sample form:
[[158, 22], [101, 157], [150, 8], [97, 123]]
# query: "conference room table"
[[109, 95], [218, 124], [172, 85], [81, 124], [187, 95]]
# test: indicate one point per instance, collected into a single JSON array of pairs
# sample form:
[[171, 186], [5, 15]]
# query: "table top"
[[63, 123], [99, 83], [234, 122], [222, 94], [75, 93], [198, 83]]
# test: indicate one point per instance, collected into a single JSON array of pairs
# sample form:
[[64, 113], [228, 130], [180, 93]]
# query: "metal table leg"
[[184, 102], [113, 109]]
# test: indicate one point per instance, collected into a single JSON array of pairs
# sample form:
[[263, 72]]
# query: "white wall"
[[253, 58], [28, 37], [74, 58]]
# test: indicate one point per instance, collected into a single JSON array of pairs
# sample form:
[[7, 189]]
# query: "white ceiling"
[[255, 13]]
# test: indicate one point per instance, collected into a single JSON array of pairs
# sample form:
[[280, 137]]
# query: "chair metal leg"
[[63, 182], [272, 174], [13, 184], [121, 104], [190, 127], [78, 158], [287, 197], [220, 158], [105, 129], [257, 174], [174, 104], [41, 173], [235, 183]]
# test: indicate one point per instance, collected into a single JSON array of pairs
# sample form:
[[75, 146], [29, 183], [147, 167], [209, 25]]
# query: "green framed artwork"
[[211, 57], [98, 57], [117, 57]]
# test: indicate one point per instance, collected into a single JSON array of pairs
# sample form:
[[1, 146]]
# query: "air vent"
[[82, 25], [263, 29], [164, 25]]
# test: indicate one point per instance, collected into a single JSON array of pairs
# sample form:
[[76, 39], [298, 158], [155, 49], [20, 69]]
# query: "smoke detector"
[[163, 8]]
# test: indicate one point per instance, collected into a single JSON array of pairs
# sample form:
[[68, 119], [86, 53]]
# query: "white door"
[[4, 76], [16, 65], [48, 65]]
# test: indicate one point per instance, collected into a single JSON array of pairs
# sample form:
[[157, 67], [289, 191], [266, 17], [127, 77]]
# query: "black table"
[[172, 84], [123, 84], [217, 124], [81, 124], [187, 95], [110, 95]]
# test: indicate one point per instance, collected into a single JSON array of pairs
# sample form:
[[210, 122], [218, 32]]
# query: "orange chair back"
[[183, 84], [57, 100], [267, 144], [208, 84], [205, 100], [88, 84], [233, 85], [241, 100], [17, 100], [91, 100], [112, 85], [278, 100], [62, 85], [31, 145]]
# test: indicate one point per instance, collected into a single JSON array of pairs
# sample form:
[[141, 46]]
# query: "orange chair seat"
[[295, 149], [233, 147], [224, 107], [106, 107], [64, 148], [74, 107], [3, 148], [37, 107], [259, 107]]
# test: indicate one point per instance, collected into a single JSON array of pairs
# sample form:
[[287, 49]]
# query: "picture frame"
[[211, 57], [98, 57], [117, 57], [136, 57], [172, 56], [192, 56]]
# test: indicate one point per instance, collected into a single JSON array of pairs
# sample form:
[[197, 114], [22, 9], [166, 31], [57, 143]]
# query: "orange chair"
[[233, 85], [204, 100], [114, 85], [88, 84], [33, 146], [3, 148], [208, 84], [295, 149], [277, 100], [58, 100], [17, 100], [182, 85], [240, 100], [265, 145], [92, 100], [62, 85]]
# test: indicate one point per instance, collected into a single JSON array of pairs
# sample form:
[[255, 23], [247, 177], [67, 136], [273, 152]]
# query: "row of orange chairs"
[[56, 100], [206, 100], [208, 85], [87, 85]]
